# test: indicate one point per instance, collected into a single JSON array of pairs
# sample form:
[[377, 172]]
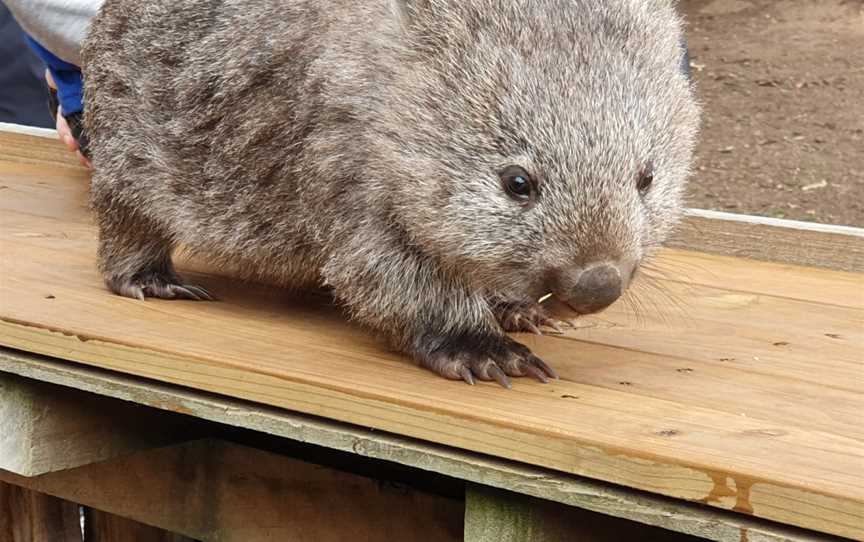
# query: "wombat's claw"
[[516, 317], [554, 324], [540, 369], [495, 372], [466, 375], [157, 285], [484, 358]]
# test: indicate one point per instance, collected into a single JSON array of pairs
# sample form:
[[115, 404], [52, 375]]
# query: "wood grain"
[[34, 146], [28, 516], [649, 403], [103, 527], [772, 239]]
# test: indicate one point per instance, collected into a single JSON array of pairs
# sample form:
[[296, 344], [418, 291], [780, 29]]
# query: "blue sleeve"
[[70, 82]]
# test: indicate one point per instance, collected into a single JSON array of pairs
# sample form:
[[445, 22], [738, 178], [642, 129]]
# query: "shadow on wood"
[[216, 491]]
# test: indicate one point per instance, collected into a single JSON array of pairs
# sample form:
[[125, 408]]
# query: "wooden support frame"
[[572, 491], [216, 491]]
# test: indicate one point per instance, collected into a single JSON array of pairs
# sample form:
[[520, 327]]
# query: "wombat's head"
[[542, 145]]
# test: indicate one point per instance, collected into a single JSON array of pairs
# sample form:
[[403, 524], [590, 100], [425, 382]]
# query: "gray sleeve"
[[59, 25]]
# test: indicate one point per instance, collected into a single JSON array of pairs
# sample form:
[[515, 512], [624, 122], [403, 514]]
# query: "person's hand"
[[63, 129]]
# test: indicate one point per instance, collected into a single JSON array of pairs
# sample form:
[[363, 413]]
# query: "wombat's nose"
[[598, 287]]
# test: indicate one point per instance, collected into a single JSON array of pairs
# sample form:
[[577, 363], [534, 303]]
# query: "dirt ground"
[[782, 83]]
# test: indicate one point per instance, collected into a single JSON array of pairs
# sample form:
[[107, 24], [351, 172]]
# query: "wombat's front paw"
[[486, 357], [515, 316], [164, 285]]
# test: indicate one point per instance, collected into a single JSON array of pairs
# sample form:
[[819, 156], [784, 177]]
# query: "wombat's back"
[[210, 119]]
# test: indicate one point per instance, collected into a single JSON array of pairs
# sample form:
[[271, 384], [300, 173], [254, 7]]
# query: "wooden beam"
[[573, 491], [28, 516], [492, 515], [772, 239], [216, 491], [46, 428]]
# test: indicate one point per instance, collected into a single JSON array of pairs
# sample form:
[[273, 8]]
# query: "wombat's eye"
[[646, 178], [518, 183]]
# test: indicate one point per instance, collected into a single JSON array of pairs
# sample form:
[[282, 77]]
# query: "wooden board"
[[772, 239], [743, 391]]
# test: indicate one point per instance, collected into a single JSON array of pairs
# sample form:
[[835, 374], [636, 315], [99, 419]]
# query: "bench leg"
[[28, 516], [493, 515], [103, 527]]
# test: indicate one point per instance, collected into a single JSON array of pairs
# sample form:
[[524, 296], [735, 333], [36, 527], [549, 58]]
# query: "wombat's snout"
[[594, 287]]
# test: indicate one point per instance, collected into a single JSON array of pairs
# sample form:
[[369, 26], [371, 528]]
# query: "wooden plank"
[[46, 428], [34, 146], [103, 527], [748, 276], [573, 491], [298, 353], [772, 239], [499, 516], [222, 492], [28, 516]]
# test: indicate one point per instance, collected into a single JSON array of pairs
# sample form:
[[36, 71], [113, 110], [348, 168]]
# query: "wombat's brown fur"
[[441, 164]]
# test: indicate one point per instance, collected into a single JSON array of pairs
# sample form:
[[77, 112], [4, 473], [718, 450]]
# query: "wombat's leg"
[[441, 323], [135, 261], [519, 316]]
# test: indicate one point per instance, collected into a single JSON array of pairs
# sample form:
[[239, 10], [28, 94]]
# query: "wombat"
[[439, 164]]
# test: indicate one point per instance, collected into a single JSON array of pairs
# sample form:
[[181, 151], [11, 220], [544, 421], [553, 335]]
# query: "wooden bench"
[[724, 400]]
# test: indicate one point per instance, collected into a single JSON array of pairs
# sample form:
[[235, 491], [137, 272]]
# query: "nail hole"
[[781, 343], [625, 383], [49, 296], [669, 433], [833, 335], [569, 397], [685, 370]]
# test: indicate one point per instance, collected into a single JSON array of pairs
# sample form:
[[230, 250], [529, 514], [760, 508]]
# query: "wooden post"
[[492, 515], [28, 516], [103, 527], [46, 428]]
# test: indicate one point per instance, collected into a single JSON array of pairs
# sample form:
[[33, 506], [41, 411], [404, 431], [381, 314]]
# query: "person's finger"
[[65, 133], [50, 79], [84, 161]]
